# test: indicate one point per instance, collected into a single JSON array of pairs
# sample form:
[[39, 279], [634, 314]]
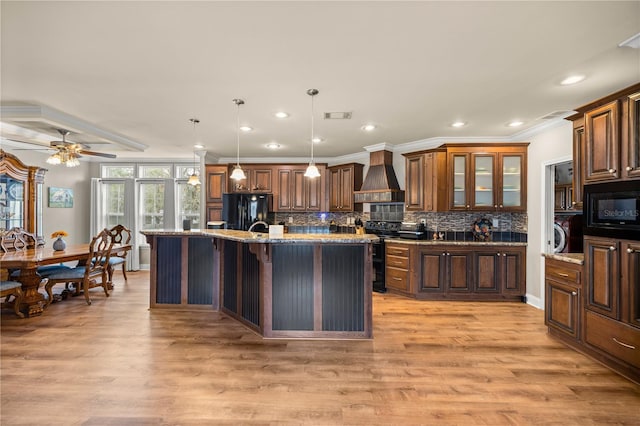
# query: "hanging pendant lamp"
[[194, 179], [238, 173], [312, 170]]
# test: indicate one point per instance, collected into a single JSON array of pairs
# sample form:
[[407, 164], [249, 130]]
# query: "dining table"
[[29, 260]]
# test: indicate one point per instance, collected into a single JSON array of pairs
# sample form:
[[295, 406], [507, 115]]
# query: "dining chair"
[[8, 289], [89, 275], [120, 236], [18, 239]]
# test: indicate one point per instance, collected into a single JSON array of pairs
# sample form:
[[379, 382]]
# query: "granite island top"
[[455, 243], [577, 258], [263, 237]]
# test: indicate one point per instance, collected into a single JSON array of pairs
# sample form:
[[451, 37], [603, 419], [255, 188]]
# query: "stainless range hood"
[[380, 185]]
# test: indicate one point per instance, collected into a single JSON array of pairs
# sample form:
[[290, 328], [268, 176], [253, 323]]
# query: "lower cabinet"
[[457, 271], [563, 290]]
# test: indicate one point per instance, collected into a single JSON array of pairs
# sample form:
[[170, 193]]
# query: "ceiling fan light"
[[312, 171], [72, 161], [54, 159], [238, 173]]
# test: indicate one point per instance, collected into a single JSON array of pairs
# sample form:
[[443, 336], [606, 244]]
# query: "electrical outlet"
[[290, 219], [423, 221], [496, 223]]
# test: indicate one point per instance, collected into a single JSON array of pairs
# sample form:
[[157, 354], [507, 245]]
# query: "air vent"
[[337, 115], [555, 114]]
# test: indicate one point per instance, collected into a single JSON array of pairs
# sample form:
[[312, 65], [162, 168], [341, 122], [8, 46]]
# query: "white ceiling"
[[131, 74]]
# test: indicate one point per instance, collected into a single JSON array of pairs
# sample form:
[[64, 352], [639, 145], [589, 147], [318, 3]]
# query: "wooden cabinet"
[[343, 180], [563, 292], [259, 178], [441, 270], [445, 270], [22, 192], [397, 267], [426, 181], [414, 182], [485, 177], [563, 198], [612, 302], [216, 185], [606, 139], [295, 192]]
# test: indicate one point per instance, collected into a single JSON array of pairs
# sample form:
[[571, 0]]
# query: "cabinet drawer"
[[615, 338], [397, 250], [397, 262], [563, 272], [397, 278]]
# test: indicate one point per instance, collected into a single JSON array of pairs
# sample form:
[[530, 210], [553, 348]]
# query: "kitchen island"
[[294, 286]]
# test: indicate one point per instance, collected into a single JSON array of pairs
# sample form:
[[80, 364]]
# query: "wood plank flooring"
[[460, 363]]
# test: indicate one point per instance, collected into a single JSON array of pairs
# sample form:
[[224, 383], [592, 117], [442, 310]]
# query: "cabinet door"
[[216, 183], [335, 189], [632, 168], [631, 279], [459, 277], [284, 185], [578, 163], [602, 275], [299, 190], [559, 198], [487, 272], [414, 181], [562, 307], [346, 189], [261, 179], [432, 270], [484, 191], [601, 131], [513, 272], [511, 182], [458, 195], [313, 193]]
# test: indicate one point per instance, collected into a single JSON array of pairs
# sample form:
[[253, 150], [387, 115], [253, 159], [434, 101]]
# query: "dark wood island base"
[[297, 286]]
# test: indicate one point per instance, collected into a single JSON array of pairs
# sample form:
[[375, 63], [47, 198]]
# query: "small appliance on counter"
[[412, 231], [216, 224]]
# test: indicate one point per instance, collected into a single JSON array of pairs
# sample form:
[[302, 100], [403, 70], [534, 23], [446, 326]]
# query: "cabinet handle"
[[501, 205], [574, 293], [612, 171], [630, 250], [629, 168], [612, 248], [573, 203], [397, 279], [626, 345], [468, 206], [563, 274], [495, 206]]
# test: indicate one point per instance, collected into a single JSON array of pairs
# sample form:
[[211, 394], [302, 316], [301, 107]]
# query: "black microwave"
[[612, 209]]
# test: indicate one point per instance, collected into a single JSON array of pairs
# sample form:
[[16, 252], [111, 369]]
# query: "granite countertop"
[[577, 258], [455, 243], [263, 237]]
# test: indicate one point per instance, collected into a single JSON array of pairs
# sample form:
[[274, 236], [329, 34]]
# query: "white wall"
[[75, 221], [547, 146]]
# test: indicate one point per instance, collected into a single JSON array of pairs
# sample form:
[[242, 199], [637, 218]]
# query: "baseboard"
[[535, 301]]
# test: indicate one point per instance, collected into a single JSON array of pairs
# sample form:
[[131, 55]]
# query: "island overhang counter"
[[294, 286]]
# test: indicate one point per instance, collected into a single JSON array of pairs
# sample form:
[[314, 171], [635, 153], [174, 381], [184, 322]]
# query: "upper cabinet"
[[467, 177], [259, 178], [216, 186], [293, 192], [21, 195], [606, 140], [343, 180]]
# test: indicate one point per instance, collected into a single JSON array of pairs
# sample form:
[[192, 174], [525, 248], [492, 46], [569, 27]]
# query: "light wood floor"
[[117, 363]]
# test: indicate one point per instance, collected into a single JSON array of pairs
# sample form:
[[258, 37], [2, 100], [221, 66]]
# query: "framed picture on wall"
[[60, 197]]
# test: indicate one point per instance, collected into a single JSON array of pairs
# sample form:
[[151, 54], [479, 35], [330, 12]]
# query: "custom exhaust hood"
[[380, 184]]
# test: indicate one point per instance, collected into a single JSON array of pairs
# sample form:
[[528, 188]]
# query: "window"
[[188, 197], [119, 171], [162, 171]]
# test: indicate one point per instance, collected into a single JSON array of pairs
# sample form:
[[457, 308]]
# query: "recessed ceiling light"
[[515, 123], [572, 79], [246, 128], [368, 127], [273, 145], [317, 140], [458, 124], [198, 146], [281, 114]]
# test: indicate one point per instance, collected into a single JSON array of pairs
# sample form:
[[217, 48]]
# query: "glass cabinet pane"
[[511, 181], [459, 181], [483, 178], [11, 203], [39, 210]]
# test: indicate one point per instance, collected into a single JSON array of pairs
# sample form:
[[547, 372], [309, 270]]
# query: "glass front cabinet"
[[488, 177], [21, 195]]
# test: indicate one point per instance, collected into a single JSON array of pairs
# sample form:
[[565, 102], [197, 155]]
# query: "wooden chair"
[[19, 239], [92, 274], [120, 235], [12, 288]]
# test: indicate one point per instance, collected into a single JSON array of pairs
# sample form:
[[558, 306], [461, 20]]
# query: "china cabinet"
[[21, 195]]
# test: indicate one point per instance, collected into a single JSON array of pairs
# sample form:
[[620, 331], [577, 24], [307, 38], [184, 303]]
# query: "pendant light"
[[238, 173], [312, 170], [194, 179]]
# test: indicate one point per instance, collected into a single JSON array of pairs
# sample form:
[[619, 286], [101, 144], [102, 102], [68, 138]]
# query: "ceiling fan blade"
[[97, 154]]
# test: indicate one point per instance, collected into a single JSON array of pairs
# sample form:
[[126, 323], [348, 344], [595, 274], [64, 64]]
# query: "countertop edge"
[[455, 243], [263, 237], [577, 258]]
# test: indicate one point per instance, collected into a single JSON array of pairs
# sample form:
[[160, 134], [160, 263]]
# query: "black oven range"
[[384, 230]]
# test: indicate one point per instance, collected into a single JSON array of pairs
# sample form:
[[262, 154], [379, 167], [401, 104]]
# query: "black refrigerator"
[[240, 210]]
